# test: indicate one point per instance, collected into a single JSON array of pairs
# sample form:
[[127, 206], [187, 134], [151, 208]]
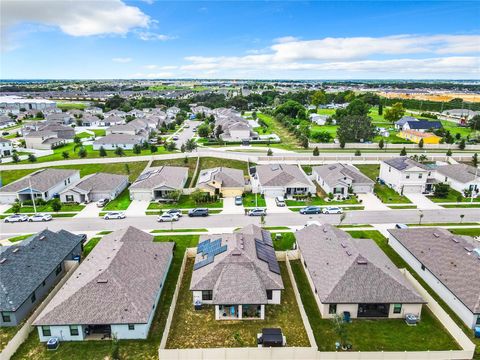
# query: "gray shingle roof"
[[119, 139], [446, 258], [461, 172], [3, 140], [154, 177], [237, 276], [404, 119], [281, 175], [26, 268], [334, 173], [116, 284], [404, 163], [226, 176], [99, 182], [41, 180], [347, 270]]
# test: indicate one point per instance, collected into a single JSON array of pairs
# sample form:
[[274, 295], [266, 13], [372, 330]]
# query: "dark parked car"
[[311, 210], [198, 212]]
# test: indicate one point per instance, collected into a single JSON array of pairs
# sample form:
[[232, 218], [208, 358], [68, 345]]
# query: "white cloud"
[[151, 36], [122, 60], [159, 75], [157, 67]]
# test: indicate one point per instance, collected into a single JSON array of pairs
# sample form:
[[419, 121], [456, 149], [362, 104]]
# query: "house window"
[[397, 308], [332, 309], [207, 295], [407, 177], [389, 169], [478, 320], [420, 176], [43, 283], [73, 330], [6, 318], [131, 327], [58, 270], [69, 198], [46, 331], [34, 297], [65, 182], [269, 294]]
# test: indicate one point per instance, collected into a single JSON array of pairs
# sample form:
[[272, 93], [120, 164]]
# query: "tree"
[[342, 144], [319, 97], [127, 168], [461, 146], [15, 157], [420, 144], [32, 158], [16, 206], [441, 190], [395, 112], [380, 109], [292, 109], [461, 218], [153, 148], [474, 122], [203, 130], [381, 144], [449, 152], [171, 146], [56, 205], [39, 115], [355, 129], [102, 152], [322, 136], [403, 152], [190, 145], [269, 152], [119, 151], [182, 148], [475, 160], [316, 152], [358, 152], [82, 152], [356, 108], [198, 196], [77, 140], [65, 155], [304, 142], [137, 149], [218, 131]]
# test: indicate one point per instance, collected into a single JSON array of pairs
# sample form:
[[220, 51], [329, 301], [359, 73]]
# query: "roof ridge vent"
[[43, 237], [15, 250], [436, 235], [468, 249], [3, 260], [455, 240], [102, 281]]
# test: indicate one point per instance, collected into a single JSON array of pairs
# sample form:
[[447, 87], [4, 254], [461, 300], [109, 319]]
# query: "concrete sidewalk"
[[422, 202], [229, 206]]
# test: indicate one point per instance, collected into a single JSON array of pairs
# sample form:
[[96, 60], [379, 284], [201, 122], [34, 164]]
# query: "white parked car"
[[176, 212], [280, 201], [102, 202], [165, 217], [40, 217], [115, 215], [332, 210], [16, 218]]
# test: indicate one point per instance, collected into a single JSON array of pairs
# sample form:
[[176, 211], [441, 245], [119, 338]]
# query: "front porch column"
[[240, 312], [217, 312], [262, 312]]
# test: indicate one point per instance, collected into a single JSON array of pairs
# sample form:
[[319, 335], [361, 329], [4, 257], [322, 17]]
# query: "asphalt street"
[[238, 220], [186, 132]]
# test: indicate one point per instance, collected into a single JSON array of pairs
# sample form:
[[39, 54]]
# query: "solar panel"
[[218, 250], [202, 263], [267, 253], [202, 245]]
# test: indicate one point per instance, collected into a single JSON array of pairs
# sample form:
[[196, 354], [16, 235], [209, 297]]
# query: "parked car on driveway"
[[257, 212], [280, 201], [175, 137], [16, 218], [40, 217], [311, 210], [332, 210], [238, 200], [102, 202], [115, 215], [174, 212], [198, 212], [165, 217]]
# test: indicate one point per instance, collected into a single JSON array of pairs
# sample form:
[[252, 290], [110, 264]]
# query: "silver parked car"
[[115, 215], [40, 217], [16, 218]]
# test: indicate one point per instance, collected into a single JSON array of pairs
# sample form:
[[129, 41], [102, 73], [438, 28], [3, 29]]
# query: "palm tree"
[[461, 218]]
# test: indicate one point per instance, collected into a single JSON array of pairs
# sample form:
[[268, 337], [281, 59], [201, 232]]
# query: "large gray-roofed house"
[[460, 177], [449, 264], [114, 291], [95, 187], [237, 272], [112, 141], [230, 182], [44, 184], [354, 275], [29, 270], [281, 179], [158, 182], [338, 178], [406, 175]]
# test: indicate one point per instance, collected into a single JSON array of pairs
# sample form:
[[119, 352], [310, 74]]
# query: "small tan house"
[[222, 180]]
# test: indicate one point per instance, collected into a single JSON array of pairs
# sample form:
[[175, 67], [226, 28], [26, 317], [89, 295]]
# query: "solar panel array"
[[209, 249], [266, 253]]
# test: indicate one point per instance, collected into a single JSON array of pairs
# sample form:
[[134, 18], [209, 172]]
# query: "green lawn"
[[198, 328], [249, 200], [6, 334], [83, 135], [469, 232], [384, 193], [159, 231], [190, 162], [288, 140], [98, 132], [453, 196], [90, 245], [212, 162], [284, 242], [133, 169], [48, 208], [474, 205], [72, 106], [19, 238], [185, 202], [373, 335], [32, 349], [121, 202], [455, 129], [331, 129]]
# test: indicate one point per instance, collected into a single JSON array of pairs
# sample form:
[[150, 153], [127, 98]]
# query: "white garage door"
[[408, 189], [362, 189], [273, 192], [141, 195]]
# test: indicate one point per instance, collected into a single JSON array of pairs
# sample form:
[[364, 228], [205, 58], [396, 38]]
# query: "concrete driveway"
[[137, 208], [229, 206], [272, 207], [89, 211], [371, 202], [422, 202]]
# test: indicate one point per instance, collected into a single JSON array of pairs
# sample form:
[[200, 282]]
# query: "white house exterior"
[[6, 147], [448, 263], [339, 178], [354, 276], [95, 187], [113, 141], [101, 299], [157, 182], [405, 175], [460, 177], [238, 273]]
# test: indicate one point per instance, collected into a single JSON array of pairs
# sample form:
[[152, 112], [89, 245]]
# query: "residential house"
[[405, 175], [30, 269], [238, 273], [354, 276], [400, 123], [94, 110], [112, 120], [6, 147], [222, 180], [448, 263], [95, 187], [338, 179], [91, 121], [42, 184], [112, 141], [6, 121], [318, 119], [422, 125], [172, 112], [158, 182], [234, 127], [281, 180], [460, 177], [43, 140], [460, 114], [417, 136], [115, 112], [59, 118], [137, 127], [62, 131], [113, 293]]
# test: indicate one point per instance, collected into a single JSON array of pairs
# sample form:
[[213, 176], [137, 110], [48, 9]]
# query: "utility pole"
[[31, 194]]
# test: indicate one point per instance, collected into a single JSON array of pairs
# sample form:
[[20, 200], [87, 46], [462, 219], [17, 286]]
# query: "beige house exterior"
[[221, 180]]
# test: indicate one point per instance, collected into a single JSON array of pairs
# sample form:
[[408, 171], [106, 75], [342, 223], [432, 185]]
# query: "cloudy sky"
[[77, 39]]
